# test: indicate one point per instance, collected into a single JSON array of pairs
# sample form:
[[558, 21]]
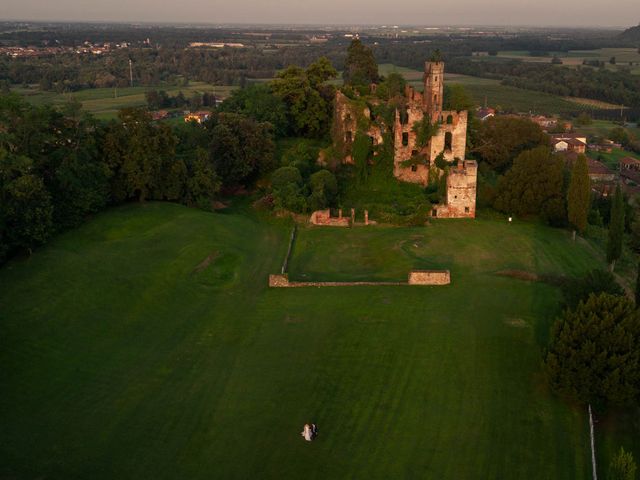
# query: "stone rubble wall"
[[416, 278]]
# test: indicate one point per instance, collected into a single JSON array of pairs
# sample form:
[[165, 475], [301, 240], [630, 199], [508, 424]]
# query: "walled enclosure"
[[412, 163]]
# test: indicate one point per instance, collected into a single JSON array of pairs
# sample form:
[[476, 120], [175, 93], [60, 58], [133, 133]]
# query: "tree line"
[[59, 167]]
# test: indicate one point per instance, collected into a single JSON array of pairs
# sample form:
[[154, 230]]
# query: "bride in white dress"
[[306, 432]]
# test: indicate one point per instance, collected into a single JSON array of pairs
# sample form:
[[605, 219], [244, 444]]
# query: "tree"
[[286, 183], [637, 293], [576, 290], [457, 98], [361, 150], [584, 119], [501, 139], [616, 229], [203, 183], [424, 130], [260, 103], [307, 97], [594, 353], [533, 186], [622, 466], [360, 67], [241, 148], [579, 195], [25, 205], [301, 155], [392, 86], [324, 188]]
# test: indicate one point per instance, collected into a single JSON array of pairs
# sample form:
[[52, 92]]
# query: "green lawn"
[[145, 344], [612, 160], [105, 103]]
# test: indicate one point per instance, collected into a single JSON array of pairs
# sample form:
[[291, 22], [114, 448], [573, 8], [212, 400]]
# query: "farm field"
[[506, 98], [576, 57], [104, 103], [494, 93], [145, 344]]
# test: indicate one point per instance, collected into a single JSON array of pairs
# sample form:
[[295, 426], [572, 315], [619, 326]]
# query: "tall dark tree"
[[616, 229], [501, 139], [138, 153], [579, 195], [360, 67], [260, 103], [25, 205], [307, 96], [637, 292], [594, 354], [533, 186], [241, 148]]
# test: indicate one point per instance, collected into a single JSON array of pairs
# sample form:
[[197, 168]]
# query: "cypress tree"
[[578, 195], [616, 229], [638, 287]]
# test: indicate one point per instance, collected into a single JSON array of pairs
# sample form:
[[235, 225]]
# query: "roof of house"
[[629, 161], [485, 112], [594, 166]]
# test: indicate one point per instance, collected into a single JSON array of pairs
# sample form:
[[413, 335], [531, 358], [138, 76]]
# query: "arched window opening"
[[448, 140]]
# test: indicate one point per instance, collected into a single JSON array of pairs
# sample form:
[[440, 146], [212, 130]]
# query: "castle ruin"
[[411, 162]]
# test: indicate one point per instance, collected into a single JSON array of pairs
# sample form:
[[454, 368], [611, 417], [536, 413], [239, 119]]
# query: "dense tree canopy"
[[241, 148], [501, 139], [57, 167], [534, 186], [594, 355], [360, 67], [259, 102], [309, 99]]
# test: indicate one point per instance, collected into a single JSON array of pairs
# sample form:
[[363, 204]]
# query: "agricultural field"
[[624, 56], [602, 128], [104, 103], [146, 344]]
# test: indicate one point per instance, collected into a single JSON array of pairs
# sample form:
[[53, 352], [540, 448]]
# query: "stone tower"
[[433, 88]]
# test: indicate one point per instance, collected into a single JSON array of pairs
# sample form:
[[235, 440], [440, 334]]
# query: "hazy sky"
[[421, 12]]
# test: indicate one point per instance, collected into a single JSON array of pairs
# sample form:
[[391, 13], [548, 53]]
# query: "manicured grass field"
[[146, 344], [104, 103]]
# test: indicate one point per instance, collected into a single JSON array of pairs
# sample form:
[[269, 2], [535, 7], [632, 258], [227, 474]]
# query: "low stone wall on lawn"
[[416, 278], [430, 277]]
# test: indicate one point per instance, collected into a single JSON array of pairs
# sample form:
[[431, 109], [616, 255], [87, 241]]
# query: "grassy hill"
[[146, 345]]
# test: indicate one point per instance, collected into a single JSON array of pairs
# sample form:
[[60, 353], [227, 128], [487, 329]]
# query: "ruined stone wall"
[[416, 278], [461, 191], [454, 123], [404, 143], [429, 277], [324, 218], [279, 281], [348, 118]]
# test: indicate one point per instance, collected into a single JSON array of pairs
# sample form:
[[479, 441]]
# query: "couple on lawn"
[[309, 432]]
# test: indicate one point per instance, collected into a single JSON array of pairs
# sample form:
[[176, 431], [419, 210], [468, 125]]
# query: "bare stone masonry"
[[450, 140], [416, 278]]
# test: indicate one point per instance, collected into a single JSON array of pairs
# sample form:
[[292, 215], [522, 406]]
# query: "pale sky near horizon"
[[357, 12]]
